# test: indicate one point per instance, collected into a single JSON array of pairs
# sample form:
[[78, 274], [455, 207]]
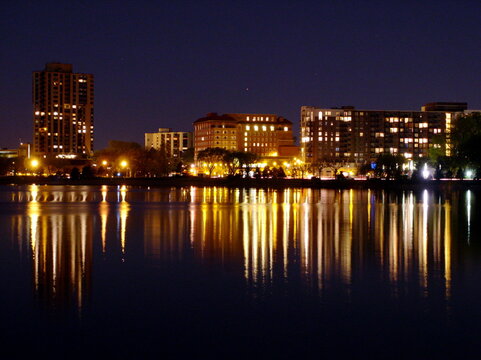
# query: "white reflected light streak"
[[423, 246], [468, 214]]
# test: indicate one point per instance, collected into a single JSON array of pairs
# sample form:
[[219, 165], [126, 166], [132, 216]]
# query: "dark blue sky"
[[165, 64]]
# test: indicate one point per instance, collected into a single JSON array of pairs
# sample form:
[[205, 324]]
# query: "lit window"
[[248, 127], [286, 128], [256, 128]]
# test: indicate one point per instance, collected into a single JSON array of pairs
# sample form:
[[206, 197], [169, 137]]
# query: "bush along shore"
[[405, 184]]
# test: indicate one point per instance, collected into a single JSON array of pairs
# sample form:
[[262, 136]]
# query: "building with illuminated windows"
[[173, 142], [63, 112], [261, 134], [350, 135]]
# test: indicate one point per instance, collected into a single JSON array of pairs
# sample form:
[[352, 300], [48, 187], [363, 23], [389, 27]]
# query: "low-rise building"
[[355, 136], [24, 151], [173, 142], [261, 134]]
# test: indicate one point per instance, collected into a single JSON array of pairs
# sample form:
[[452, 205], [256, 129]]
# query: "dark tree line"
[[140, 162], [236, 161]]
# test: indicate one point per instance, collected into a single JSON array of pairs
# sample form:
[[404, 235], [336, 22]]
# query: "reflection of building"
[[61, 246], [174, 142], [165, 233], [262, 134], [63, 111], [359, 136], [322, 238]]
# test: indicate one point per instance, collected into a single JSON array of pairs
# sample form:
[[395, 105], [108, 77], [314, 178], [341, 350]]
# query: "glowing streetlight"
[[124, 164], [104, 163], [425, 171], [34, 165]]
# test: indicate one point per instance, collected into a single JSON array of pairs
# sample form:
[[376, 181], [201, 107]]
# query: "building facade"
[[261, 134], [350, 135], [174, 142], [23, 151], [63, 112], [215, 130]]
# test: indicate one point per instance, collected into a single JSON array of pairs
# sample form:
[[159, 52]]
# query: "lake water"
[[216, 272]]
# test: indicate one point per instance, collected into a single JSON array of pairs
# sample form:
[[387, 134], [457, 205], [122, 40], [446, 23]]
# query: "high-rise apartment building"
[[352, 135], [174, 142], [261, 134], [63, 111]]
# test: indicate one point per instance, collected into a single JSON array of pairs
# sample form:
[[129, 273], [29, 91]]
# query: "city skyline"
[[213, 179], [162, 64]]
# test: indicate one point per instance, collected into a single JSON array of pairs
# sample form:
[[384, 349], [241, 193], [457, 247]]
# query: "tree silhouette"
[[212, 156]]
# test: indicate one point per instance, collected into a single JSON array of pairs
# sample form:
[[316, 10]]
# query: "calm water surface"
[[216, 272]]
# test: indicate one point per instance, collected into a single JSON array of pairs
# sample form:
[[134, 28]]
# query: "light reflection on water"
[[61, 253], [324, 239]]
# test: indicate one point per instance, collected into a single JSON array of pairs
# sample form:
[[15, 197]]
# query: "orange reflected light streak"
[[255, 243], [285, 232], [447, 248], [245, 240], [33, 211], [104, 212], [393, 244], [320, 247], [305, 237], [124, 212]]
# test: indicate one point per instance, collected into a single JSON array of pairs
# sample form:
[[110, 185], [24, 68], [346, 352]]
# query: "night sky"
[[165, 64]]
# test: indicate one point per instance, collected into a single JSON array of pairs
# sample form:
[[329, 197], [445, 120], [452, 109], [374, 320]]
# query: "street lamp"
[[124, 164], [34, 163]]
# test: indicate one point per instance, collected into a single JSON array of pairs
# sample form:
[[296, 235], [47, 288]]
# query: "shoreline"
[[251, 183]]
